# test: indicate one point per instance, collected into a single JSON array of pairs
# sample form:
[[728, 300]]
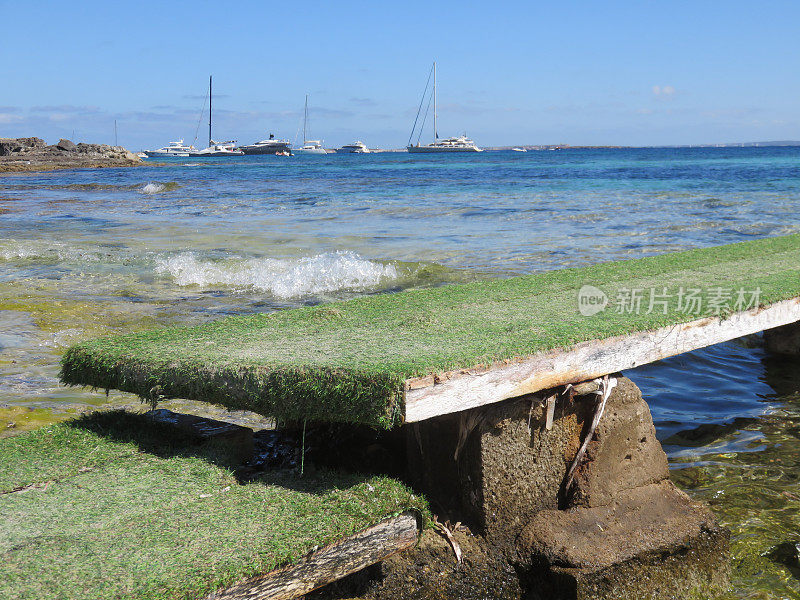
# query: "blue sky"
[[581, 72]]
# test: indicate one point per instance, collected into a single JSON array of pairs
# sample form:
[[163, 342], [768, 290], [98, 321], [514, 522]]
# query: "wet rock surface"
[[33, 154]]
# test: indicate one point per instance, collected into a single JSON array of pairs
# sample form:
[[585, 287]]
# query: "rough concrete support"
[[783, 340], [502, 470]]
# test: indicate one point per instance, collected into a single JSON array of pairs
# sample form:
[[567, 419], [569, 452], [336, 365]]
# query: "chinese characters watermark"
[[714, 300]]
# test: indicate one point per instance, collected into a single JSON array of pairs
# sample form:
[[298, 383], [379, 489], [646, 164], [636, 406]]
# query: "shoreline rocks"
[[33, 154]]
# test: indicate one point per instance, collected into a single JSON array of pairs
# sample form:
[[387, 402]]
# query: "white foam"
[[152, 188], [46, 250], [283, 278]]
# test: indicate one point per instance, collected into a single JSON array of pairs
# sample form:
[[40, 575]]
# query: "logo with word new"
[[591, 300]]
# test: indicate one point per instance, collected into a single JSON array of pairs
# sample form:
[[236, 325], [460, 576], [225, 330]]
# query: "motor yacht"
[[357, 147], [268, 146], [172, 149], [218, 149]]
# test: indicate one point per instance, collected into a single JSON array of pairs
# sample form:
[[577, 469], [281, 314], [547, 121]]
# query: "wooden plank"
[[461, 390], [329, 563]]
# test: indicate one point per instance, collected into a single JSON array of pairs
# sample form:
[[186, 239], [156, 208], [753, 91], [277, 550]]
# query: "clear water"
[[91, 252]]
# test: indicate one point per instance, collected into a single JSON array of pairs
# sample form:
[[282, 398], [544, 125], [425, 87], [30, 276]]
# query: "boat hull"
[[271, 149], [441, 149], [310, 151], [155, 153], [214, 154]]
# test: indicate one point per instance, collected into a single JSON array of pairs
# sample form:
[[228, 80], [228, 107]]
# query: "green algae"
[[18, 419]]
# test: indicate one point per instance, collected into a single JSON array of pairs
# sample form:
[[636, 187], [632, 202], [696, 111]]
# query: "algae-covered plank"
[[457, 391], [353, 361], [156, 520], [333, 562]]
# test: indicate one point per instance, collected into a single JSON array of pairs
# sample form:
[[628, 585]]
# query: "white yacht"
[[452, 144], [172, 149], [357, 147], [519, 149], [215, 148], [309, 146], [218, 149], [268, 146]]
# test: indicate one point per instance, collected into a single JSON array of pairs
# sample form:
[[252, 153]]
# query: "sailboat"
[[215, 148], [309, 146], [453, 144]]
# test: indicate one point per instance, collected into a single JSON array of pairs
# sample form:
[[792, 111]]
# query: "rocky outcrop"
[[33, 154]]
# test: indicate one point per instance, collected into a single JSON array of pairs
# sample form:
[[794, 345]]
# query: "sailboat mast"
[[209, 111], [435, 130], [305, 121]]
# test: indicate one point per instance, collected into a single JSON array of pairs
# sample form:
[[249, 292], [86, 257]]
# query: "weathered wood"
[[462, 390], [328, 564]]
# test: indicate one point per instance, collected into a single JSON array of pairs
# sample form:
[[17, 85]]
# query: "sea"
[[184, 241]]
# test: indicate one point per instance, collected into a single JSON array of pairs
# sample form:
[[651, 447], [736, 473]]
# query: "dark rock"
[[65, 145], [783, 340], [788, 555], [11, 146]]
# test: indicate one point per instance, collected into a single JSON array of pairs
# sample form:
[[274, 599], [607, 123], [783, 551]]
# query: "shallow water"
[[86, 253]]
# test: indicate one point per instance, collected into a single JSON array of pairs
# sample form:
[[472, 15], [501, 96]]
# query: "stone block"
[[650, 542], [624, 452]]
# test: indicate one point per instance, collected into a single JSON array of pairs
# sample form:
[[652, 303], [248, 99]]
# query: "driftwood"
[[428, 397], [329, 563]]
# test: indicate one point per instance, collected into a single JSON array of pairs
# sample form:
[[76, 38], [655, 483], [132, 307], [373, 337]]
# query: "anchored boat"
[[452, 144], [357, 147], [172, 149], [215, 148], [309, 146]]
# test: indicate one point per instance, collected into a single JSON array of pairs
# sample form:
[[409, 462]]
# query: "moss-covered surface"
[[117, 506], [348, 361]]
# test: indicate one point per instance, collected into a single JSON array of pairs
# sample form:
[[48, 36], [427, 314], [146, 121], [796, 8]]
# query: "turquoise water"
[[90, 252]]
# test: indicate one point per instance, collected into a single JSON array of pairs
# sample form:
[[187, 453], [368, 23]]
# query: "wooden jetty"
[[395, 358], [454, 363]]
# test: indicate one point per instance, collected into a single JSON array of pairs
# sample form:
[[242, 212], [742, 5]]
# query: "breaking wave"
[[155, 187], [283, 278]]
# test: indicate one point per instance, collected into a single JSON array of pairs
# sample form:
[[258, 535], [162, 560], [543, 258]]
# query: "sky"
[[509, 73]]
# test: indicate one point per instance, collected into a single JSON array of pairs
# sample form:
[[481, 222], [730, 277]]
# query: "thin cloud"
[[203, 96], [363, 101], [67, 108], [664, 91]]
